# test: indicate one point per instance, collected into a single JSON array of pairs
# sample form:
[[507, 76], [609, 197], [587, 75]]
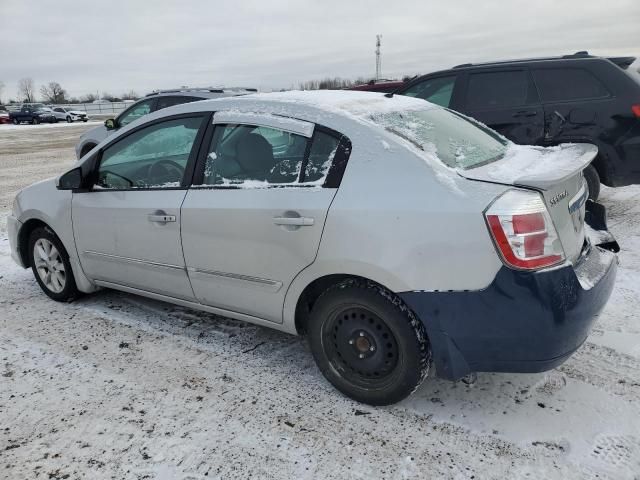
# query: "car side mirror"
[[72, 180], [110, 123]]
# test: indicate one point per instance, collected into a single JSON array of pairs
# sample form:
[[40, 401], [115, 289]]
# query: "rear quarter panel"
[[405, 224]]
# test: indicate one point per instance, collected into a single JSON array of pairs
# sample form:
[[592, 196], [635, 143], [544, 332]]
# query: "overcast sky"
[[117, 45]]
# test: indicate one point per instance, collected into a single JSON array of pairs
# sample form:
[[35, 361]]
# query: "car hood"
[[77, 112]]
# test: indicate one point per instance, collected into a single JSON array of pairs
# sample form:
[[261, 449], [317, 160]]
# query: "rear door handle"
[[525, 113], [297, 221], [161, 218]]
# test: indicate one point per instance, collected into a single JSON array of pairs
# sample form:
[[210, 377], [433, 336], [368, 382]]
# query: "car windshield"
[[457, 142]]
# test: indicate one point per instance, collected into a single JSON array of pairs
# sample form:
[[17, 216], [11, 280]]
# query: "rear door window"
[[493, 90], [252, 155], [566, 84], [435, 90]]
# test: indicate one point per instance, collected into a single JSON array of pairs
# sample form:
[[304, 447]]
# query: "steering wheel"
[[166, 170]]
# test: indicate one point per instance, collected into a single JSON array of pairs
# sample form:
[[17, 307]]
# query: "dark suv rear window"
[[497, 89], [565, 84]]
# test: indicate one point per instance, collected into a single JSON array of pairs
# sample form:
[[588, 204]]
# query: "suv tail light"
[[523, 232], [636, 110]]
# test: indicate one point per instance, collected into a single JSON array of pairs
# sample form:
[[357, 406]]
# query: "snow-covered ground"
[[116, 386]]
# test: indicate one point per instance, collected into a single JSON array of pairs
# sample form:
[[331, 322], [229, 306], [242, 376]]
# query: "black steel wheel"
[[367, 343]]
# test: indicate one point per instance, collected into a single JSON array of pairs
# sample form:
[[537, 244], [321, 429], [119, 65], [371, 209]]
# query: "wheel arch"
[[314, 288], [23, 238]]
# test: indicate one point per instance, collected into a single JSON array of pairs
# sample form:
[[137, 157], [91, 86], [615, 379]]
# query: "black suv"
[[547, 101]]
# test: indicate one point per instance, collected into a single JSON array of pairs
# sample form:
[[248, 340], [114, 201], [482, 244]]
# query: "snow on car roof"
[[343, 101]]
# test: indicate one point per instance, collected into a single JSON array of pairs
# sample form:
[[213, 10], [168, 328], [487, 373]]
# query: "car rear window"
[[455, 140], [565, 84]]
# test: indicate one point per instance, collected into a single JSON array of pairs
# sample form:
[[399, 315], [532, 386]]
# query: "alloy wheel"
[[49, 265]]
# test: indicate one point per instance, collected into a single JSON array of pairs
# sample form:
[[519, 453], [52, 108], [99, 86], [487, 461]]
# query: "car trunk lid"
[[555, 172]]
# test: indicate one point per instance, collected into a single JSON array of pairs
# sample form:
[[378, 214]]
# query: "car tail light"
[[636, 110], [523, 232]]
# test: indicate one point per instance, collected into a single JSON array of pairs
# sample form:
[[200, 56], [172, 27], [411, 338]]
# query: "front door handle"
[[295, 221], [161, 218]]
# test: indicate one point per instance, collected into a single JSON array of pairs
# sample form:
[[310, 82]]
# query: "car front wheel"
[[69, 119], [50, 265], [367, 343], [35, 121]]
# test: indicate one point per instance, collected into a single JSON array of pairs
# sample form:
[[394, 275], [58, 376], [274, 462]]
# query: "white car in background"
[[69, 114]]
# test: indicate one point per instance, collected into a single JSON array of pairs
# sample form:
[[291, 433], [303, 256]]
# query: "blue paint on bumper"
[[523, 322]]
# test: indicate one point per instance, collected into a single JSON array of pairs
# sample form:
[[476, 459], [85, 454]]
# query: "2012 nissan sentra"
[[394, 233]]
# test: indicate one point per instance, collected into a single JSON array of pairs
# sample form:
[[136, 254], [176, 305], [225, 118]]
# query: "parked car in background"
[[152, 102], [391, 231], [32, 113], [4, 115], [548, 101], [69, 114], [383, 86]]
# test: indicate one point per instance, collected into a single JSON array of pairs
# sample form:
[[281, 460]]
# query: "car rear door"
[[127, 227], [254, 216], [572, 98], [506, 100]]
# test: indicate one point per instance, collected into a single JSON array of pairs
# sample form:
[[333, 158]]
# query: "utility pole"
[[378, 59]]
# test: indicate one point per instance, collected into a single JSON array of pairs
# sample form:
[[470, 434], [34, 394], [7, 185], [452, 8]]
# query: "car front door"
[[507, 101], [127, 227], [254, 217]]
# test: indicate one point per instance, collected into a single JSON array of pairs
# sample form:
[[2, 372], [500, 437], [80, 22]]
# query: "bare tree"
[[53, 93], [110, 98], [130, 95], [88, 98], [336, 83], [1, 90], [26, 89]]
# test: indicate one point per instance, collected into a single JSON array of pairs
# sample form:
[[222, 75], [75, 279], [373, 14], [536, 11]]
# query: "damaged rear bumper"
[[523, 322]]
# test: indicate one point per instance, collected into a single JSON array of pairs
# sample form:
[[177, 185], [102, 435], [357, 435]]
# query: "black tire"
[[69, 119], [35, 121], [84, 120], [367, 343], [56, 120], [15, 121], [69, 290], [593, 182]]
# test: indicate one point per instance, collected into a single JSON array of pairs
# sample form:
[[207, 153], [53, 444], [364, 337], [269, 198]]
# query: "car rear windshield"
[[455, 140]]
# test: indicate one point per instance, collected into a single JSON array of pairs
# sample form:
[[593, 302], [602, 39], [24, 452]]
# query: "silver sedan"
[[394, 233]]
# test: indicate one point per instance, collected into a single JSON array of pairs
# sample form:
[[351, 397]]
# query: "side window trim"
[[191, 162]]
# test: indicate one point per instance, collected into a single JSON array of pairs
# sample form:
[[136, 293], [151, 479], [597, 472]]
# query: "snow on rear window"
[[456, 141]]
